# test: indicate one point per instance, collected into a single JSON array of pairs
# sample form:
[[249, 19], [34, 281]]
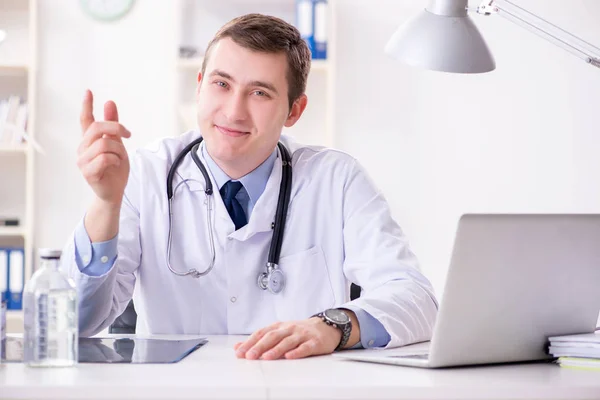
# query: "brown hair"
[[264, 33]]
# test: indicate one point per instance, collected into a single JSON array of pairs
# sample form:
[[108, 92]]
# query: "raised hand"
[[102, 157]]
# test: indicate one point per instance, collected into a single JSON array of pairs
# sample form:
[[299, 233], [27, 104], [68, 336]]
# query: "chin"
[[226, 154], [225, 150]]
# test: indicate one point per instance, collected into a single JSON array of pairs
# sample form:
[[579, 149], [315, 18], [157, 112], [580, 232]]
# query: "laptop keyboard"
[[415, 356]]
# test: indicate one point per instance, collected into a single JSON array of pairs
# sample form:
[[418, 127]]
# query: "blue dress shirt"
[[96, 259]]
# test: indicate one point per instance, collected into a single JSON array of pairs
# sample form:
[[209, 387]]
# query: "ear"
[[199, 83], [298, 108]]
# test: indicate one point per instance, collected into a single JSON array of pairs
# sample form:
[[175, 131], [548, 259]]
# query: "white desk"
[[213, 372]]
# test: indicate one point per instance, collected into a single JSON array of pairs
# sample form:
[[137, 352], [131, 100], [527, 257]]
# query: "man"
[[338, 227]]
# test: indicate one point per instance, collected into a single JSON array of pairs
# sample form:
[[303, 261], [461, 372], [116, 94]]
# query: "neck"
[[237, 169]]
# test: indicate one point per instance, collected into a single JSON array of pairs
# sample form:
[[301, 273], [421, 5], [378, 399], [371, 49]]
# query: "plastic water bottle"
[[50, 315]]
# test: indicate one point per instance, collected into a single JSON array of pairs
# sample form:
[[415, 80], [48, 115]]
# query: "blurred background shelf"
[[13, 68], [19, 148], [195, 63], [14, 321], [12, 231], [18, 93]]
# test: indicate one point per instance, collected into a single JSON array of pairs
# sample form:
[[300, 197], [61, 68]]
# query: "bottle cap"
[[49, 253]]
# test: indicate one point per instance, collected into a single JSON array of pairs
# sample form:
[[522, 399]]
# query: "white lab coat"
[[338, 230]]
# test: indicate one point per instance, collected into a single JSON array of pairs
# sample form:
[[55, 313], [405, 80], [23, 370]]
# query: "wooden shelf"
[[20, 148], [13, 69], [319, 65], [14, 321], [190, 63], [196, 63], [14, 231]]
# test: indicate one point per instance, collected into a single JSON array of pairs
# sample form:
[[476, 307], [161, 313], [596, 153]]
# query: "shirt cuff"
[[372, 332], [94, 259]]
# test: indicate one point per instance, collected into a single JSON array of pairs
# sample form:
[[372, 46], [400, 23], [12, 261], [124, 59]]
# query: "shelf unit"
[[20, 148], [13, 69], [199, 21], [12, 231], [18, 70], [195, 63]]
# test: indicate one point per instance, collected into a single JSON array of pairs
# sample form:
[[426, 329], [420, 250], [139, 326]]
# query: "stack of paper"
[[577, 351]]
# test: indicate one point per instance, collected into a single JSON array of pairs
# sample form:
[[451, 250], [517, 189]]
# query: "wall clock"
[[107, 10]]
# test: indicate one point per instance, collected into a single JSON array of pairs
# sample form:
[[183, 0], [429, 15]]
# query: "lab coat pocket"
[[308, 288]]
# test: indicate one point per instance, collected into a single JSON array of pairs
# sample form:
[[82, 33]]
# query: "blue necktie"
[[234, 208]]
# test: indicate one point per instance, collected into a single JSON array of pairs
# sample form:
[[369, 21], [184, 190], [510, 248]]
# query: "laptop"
[[513, 281]]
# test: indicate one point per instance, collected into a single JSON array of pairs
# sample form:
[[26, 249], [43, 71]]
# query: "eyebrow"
[[266, 85]]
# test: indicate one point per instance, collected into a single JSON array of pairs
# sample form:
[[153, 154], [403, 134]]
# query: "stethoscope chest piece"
[[273, 280]]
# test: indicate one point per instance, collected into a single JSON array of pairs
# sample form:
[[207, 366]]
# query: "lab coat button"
[[371, 342], [233, 299]]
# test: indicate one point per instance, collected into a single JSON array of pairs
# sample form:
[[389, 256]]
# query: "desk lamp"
[[444, 38]]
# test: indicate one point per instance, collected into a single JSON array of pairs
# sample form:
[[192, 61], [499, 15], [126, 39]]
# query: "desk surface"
[[213, 372]]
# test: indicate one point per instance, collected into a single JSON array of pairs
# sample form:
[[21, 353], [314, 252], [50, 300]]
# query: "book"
[[581, 351], [581, 338], [592, 364]]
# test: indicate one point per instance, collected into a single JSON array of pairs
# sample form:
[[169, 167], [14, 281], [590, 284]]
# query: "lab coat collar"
[[263, 214]]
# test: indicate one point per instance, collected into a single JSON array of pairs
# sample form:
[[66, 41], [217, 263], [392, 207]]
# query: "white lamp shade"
[[441, 43]]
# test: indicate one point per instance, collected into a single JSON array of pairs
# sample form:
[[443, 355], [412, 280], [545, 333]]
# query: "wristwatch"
[[338, 319]]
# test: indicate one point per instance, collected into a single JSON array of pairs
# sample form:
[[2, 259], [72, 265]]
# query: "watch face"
[[337, 316]]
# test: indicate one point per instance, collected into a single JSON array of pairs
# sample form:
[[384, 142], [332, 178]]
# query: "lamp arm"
[[518, 15]]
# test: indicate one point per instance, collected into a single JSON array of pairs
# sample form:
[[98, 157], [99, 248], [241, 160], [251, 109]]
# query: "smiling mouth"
[[231, 132]]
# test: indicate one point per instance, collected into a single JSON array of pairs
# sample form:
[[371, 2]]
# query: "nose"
[[236, 108]]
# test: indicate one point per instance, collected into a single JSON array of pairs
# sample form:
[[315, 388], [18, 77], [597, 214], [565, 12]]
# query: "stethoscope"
[[273, 279]]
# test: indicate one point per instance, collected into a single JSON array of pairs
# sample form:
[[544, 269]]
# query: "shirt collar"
[[254, 182]]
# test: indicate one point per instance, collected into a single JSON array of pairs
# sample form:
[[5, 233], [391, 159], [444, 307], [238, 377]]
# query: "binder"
[[320, 29], [305, 22], [16, 278], [3, 275]]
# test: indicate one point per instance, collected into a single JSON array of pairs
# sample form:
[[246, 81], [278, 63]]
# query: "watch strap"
[[346, 329]]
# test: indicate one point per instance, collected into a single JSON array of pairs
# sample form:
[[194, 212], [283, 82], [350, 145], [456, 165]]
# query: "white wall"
[[521, 139], [130, 61]]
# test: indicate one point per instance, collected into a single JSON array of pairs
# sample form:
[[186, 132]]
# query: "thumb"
[[110, 111], [87, 111]]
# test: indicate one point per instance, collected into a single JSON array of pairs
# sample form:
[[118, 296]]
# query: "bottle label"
[[50, 327], [28, 326]]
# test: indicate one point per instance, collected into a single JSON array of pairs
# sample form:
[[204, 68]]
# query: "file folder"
[[305, 22], [3, 275], [320, 29], [16, 278]]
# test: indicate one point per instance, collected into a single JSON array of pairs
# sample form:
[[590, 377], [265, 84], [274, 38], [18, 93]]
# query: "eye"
[[221, 84], [261, 93]]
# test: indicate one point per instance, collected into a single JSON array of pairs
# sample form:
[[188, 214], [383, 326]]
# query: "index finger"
[[100, 129], [87, 111]]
